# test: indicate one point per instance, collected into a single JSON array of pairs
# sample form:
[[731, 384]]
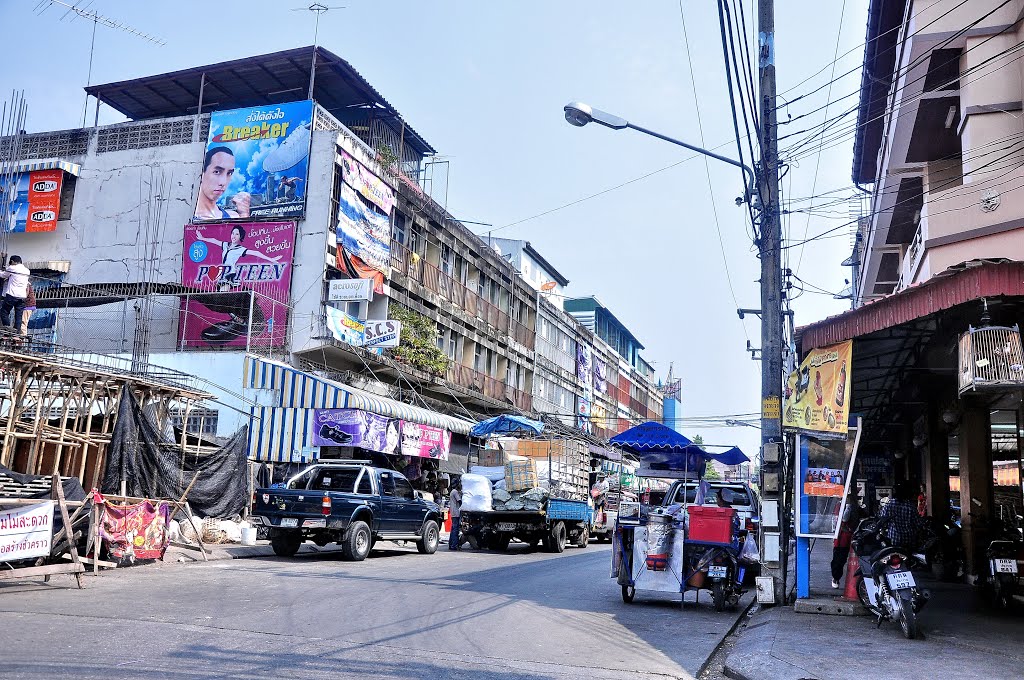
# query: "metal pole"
[[771, 480]]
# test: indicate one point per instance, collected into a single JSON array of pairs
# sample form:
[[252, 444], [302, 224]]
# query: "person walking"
[[841, 544], [455, 512], [15, 292]]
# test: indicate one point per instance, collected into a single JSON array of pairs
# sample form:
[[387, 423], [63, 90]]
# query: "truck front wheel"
[[356, 545], [286, 543], [428, 544]]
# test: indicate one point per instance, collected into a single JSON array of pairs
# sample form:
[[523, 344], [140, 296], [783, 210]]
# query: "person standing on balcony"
[[15, 292]]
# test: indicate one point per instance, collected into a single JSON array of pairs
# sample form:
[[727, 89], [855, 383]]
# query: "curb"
[[751, 658], [735, 624]]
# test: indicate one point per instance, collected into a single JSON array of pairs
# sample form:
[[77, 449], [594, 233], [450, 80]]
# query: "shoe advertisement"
[[241, 273]]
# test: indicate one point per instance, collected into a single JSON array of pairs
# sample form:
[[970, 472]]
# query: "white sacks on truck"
[[476, 493]]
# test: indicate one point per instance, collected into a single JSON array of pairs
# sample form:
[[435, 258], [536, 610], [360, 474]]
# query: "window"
[[416, 240], [399, 230], [365, 485], [335, 479], [403, 489], [454, 345], [200, 420], [446, 259], [478, 358], [441, 338], [461, 269], [492, 362], [481, 286], [387, 484]]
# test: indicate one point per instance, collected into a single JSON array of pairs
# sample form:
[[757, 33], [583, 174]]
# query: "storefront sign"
[[33, 201], [818, 393], [223, 262], [363, 231], [382, 333], [369, 186], [352, 427], [26, 531], [256, 163], [425, 441], [344, 327], [349, 290]]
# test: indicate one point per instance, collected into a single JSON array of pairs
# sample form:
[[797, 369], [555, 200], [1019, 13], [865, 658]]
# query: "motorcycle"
[[887, 586], [942, 549], [1004, 555]]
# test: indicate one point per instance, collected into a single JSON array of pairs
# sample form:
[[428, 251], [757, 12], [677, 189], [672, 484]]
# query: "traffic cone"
[[850, 592]]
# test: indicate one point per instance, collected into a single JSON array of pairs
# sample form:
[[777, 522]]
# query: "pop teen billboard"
[[222, 263], [32, 201], [256, 163]]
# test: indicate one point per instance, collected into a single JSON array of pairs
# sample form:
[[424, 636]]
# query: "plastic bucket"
[[248, 535]]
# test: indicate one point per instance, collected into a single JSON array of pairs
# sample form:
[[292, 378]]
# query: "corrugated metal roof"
[[958, 285]]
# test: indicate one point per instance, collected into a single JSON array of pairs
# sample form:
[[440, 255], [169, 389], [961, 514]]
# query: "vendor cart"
[[674, 547]]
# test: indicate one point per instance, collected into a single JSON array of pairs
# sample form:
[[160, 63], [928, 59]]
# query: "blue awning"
[[651, 436], [732, 456], [507, 424]]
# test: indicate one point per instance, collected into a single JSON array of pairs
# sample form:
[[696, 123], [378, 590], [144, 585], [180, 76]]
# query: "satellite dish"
[[550, 285]]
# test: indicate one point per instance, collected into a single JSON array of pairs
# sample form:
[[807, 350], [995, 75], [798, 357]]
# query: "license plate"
[[289, 522], [898, 580], [1004, 566], [506, 526], [716, 571]]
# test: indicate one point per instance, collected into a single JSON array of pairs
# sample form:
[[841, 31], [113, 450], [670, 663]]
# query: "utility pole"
[[773, 541]]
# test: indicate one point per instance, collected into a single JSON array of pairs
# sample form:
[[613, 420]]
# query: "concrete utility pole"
[[773, 547]]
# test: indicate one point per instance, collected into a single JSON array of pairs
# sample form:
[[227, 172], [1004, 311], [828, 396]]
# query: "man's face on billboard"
[[217, 176]]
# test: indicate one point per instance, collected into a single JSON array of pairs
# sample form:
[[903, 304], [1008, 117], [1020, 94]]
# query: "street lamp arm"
[[746, 169]]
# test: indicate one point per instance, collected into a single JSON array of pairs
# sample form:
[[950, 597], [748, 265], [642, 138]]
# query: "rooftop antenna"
[[317, 8], [97, 19]]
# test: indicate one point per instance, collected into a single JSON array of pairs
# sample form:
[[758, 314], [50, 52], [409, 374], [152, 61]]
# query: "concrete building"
[[532, 267]]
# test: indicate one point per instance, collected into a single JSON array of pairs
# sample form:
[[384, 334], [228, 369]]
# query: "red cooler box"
[[711, 524]]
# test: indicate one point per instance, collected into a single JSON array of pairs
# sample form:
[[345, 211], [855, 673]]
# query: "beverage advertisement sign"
[[363, 231], [26, 531], [256, 163], [352, 427], [369, 186], [345, 327], [818, 393], [222, 263], [32, 201], [425, 441]]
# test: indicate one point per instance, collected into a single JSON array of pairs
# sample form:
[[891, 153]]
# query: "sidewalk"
[[960, 637]]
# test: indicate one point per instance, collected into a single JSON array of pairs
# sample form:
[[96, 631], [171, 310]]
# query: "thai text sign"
[[363, 231], [256, 163], [32, 201], [382, 333], [352, 427], [369, 186], [349, 290], [818, 393], [223, 262], [425, 441], [26, 531]]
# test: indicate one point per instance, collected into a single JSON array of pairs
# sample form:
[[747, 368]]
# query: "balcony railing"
[[488, 386]]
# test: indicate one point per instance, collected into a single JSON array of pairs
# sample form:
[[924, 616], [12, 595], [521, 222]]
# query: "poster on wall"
[[362, 231], [352, 427], [823, 471], [223, 263], [32, 201], [425, 441], [600, 376], [818, 393], [583, 363], [256, 163], [26, 531], [344, 327], [369, 186]]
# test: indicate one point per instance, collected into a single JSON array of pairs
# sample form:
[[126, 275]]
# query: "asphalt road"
[[473, 615]]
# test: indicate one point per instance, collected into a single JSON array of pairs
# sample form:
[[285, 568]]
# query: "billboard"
[[382, 333], [425, 441], [256, 163], [345, 327], [352, 427], [31, 201], [818, 393], [369, 186], [222, 263], [362, 231], [349, 290]]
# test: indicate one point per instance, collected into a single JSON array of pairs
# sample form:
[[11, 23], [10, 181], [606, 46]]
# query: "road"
[[472, 615]]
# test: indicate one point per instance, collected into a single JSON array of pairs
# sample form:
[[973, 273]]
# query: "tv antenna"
[[317, 8], [97, 19]]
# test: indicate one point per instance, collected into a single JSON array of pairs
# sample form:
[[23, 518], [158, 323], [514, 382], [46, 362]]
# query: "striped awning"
[[287, 395], [48, 164]]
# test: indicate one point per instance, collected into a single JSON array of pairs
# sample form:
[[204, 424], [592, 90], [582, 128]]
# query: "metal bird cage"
[[991, 357]]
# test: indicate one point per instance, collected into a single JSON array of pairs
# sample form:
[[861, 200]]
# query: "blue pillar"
[[803, 567]]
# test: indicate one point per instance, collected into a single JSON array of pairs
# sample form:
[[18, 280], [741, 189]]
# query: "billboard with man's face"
[[256, 163]]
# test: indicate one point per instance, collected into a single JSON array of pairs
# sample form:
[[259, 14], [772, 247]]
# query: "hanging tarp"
[[154, 466], [507, 424], [732, 456]]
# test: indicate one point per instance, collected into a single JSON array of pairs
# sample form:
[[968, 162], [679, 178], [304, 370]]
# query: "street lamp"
[[579, 114]]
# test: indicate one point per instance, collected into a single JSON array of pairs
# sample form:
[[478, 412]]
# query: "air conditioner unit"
[[990, 357]]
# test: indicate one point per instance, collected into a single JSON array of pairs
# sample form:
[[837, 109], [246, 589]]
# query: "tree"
[[711, 473]]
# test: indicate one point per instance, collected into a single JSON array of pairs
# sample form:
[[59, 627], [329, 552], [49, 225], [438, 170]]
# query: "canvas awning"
[[48, 164]]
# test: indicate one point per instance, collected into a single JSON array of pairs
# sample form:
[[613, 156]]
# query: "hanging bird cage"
[[991, 357]]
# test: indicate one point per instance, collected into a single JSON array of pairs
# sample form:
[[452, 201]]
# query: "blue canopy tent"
[[663, 452], [506, 424]]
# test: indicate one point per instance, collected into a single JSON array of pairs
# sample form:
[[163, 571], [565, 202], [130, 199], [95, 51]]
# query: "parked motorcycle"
[[887, 586], [1004, 556], [942, 549]]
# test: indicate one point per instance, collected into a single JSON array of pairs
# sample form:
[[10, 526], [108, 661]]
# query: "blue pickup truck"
[[353, 504]]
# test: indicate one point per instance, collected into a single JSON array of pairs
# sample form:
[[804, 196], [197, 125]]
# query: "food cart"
[[672, 548]]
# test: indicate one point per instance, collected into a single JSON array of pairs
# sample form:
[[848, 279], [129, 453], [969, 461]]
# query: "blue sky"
[[485, 82]]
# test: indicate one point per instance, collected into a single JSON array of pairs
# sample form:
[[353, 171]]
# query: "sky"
[[485, 83]]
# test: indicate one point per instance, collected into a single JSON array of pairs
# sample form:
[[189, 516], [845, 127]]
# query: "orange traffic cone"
[[850, 592]]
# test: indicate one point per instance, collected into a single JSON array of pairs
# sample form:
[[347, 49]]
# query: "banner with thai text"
[[31, 201], [26, 532], [369, 186], [818, 393], [425, 441], [345, 327]]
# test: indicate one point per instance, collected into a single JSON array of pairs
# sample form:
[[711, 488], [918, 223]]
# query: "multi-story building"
[[131, 283], [938, 138]]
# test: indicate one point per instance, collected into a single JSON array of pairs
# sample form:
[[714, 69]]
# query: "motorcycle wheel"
[[718, 595], [862, 593], [1000, 595], [908, 620]]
